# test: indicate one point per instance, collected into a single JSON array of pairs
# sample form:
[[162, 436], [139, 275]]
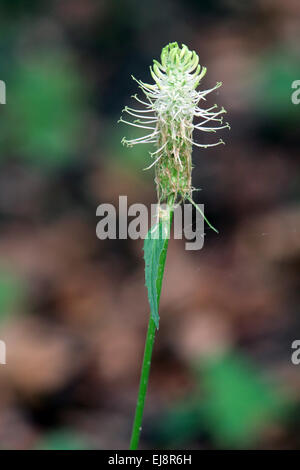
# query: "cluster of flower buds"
[[168, 115]]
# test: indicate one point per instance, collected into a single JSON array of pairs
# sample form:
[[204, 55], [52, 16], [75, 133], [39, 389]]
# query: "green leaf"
[[155, 252]]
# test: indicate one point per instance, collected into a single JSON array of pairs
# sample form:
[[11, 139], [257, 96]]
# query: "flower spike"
[[173, 102]]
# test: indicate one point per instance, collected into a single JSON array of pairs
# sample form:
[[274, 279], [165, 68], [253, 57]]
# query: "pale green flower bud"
[[169, 113]]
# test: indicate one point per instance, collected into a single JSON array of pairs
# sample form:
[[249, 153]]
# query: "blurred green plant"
[[126, 157], [12, 294], [233, 405], [62, 439], [238, 405], [43, 119], [276, 71]]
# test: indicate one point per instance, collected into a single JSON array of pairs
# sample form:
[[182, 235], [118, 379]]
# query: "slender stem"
[[199, 210], [137, 424], [138, 417]]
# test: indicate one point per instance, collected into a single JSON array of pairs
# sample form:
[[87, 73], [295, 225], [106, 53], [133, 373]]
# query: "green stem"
[[137, 424], [138, 417]]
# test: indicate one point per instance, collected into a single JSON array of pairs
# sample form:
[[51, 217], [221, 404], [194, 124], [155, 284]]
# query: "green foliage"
[[239, 404], [179, 425], [272, 95], [155, 252], [128, 157], [42, 119], [234, 407]]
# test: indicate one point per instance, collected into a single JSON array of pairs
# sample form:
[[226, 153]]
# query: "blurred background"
[[73, 309]]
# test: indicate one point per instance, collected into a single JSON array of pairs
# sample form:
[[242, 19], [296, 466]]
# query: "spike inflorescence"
[[168, 116]]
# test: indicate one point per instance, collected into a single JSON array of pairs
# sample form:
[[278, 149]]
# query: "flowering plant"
[[172, 104]]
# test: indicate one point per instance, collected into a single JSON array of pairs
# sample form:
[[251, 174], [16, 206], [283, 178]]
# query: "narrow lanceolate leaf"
[[155, 252]]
